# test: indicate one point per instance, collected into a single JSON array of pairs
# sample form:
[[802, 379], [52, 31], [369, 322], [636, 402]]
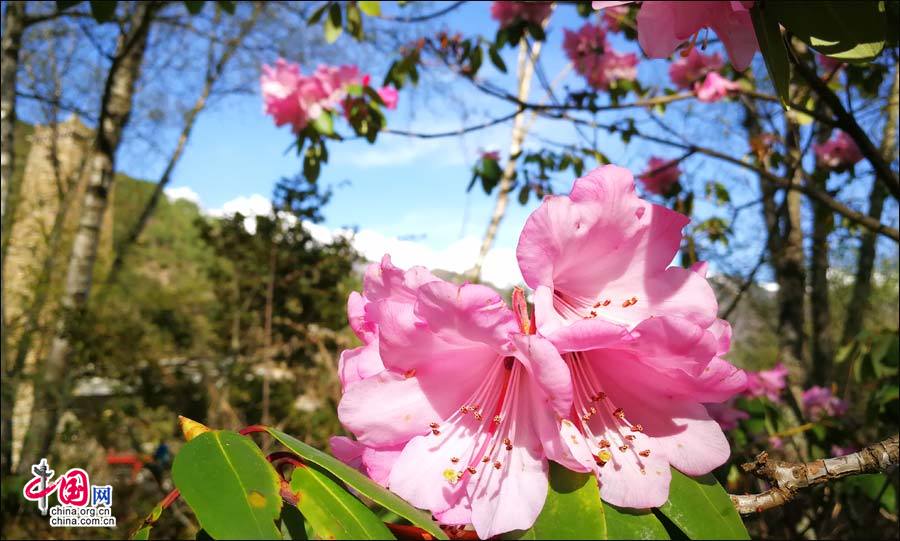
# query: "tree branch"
[[811, 191], [788, 478], [847, 123]]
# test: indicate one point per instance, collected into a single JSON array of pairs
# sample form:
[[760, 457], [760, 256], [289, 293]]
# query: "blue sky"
[[407, 196]]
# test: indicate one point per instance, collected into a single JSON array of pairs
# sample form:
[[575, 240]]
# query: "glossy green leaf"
[[372, 9], [142, 533], [333, 512], [771, 45], [701, 508], [293, 525], [572, 509], [229, 485], [849, 31], [633, 524], [360, 483]]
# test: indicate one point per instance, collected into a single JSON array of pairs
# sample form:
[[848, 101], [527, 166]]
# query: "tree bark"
[[862, 286], [820, 304], [13, 28], [214, 70], [519, 131], [51, 387], [792, 272]]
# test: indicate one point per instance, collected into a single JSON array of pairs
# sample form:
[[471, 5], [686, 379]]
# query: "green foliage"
[[701, 509], [229, 485], [359, 482], [573, 509], [330, 510], [697, 509]]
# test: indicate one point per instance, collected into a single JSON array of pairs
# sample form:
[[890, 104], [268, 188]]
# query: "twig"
[[848, 124], [788, 478], [744, 286], [425, 17], [451, 133]]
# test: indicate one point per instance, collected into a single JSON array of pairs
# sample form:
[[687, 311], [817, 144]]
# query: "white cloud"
[[500, 267], [183, 192]]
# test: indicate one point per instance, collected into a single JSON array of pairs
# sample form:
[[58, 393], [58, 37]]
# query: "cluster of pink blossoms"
[[458, 401], [818, 402], [663, 27], [297, 99], [839, 153], [507, 13], [660, 176], [595, 60], [699, 72]]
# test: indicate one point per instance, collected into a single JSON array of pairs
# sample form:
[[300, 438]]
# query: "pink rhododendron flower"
[[584, 47], [613, 16], [663, 26], [768, 383], [661, 175], [506, 12], [593, 58], [389, 96], [491, 155], [727, 415], [464, 389], [295, 99], [818, 402], [641, 339], [685, 71], [279, 87], [715, 87], [775, 442], [838, 450], [839, 152]]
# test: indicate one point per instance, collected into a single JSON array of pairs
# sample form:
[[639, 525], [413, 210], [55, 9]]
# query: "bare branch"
[[788, 478], [425, 17], [847, 123]]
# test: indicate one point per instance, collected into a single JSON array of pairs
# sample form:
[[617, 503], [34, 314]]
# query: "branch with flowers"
[[596, 404]]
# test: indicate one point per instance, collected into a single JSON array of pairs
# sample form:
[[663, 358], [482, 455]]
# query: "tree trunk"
[[792, 272], [214, 70], [51, 386], [13, 27], [519, 131], [822, 337], [862, 287]]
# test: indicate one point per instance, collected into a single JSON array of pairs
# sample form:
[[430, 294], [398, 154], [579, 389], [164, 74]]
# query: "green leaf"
[[317, 14], [523, 193], [229, 485], [333, 512], [103, 10], [633, 524], [372, 9], [226, 5], [360, 483], [332, 33], [849, 31], [324, 123], [194, 6], [771, 45], [333, 24], [496, 59], [293, 525], [572, 509], [142, 533], [701, 508], [354, 21]]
